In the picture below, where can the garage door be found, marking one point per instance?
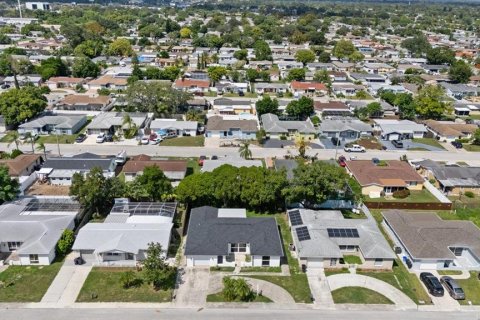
(201, 261)
(428, 266)
(315, 263)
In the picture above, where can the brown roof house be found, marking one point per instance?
(450, 131)
(385, 177)
(431, 243)
(217, 127)
(22, 165)
(174, 170)
(332, 109)
(83, 102)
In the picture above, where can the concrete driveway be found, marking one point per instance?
(441, 303)
(409, 144)
(400, 300)
(192, 287)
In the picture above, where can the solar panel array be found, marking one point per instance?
(342, 233)
(295, 218)
(302, 233)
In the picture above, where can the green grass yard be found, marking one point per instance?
(430, 142)
(261, 269)
(415, 196)
(331, 272)
(197, 141)
(471, 287)
(351, 259)
(218, 297)
(359, 295)
(27, 283)
(105, 284)
(471, 147)
(449, 272)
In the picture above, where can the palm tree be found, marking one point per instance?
(245, 151)
(29, 137)
(131, 127)
(302, 147)
(12, 137)
(41, 147)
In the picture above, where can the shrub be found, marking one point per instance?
(469, 194)
(401, 194)
(65, 242)
(282, 137)
(127, 279)
(432, 181)
(15, 153)
(315, 120)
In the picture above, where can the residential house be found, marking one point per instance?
(332, 109)
(366, 78)
(60, 170)
(275, 88)
(378, 68)
(317, 66)
(22, 165)
(377, 180)
(431, 243)
(55, 83)
(56, 124)
(180, 128)
(81, 102)
(276, 128)
(23, 80)
(343, 66)
(289, 165)
(434, 69)
(225, 106)
(346, 89)
(226, 237)
(461, 91)
(123, 238)
(108, 82)
(323, 238)
(217, 127)
(398, 129)
(450, 131)
(310, 89)
(31, 227)
(113, 122)
(174, 170)
(345, 129)
(210, 165)
(192, 85)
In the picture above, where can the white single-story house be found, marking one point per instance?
(123, 238)
(31, 227)
(180, 128)
(398, 129)
(226, 237)
(56, 124)
(322, 239)
(431, 243)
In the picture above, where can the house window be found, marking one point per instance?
(412, 183)
(378, 262)
(34, 258)
(129, 256)
(113, 254)
(265, 261)
(238, 247)
(333, 262)
(12, 246)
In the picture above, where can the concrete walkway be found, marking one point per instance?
(401, 301)
(275, 293)
(67, 284)
(319, 287)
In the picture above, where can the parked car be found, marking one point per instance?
(397, 143)
(354, 148)
(155, 140)
(78, 261)
(433, 285)
(80, 138)
(5, 86)
(341, 161)
(457, 144)
(170, 135)
(145, 140)
(241, 94)
(100, 138)
(108, 137)
(214, 158)
(335, 141)
(455, 291)
(375, 161)
(201, 159)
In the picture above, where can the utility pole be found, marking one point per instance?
(58, 143)
(20, 8)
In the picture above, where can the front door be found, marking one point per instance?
(220, 260)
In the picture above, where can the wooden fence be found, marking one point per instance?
(409, 205)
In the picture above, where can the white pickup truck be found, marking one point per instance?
(354, 148)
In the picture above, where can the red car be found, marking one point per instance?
(201, 159)
(341, 161)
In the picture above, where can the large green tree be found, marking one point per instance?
(266, 105)
(18, 105)
(305, 56)
(440, 55)
(52, 67)
(89, 48)
(9, 187)
(460, 72)
(216, 73)
(84, 67)
(157, 272)
(120, 47)
(296, 74)
(301, 108)
(314, 183)
(343, 48)
(262, 50)
(151, 185)
(431, 102)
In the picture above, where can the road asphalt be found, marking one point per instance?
(261, 313)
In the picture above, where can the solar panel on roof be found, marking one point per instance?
(342, 233)
(295, 218)
(302, 233)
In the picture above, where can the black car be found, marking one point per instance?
(214, 158)
(78, 261)
(432, 283)
(397, 143)
(335, 141)
(457, 144)
(108, 137)
(80, 138)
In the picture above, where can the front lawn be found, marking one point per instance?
(429, 141)
(197, 141)
(63, 139)
(331, 272)
(471, 147)
(471, 287)
(261, 269)
(461, 214)
(415, 196)
(222, 269)
(351, 259)
(236, 95)
(27, 283)
(449, 272)
(218, 297)
(104, 285)
(359, 295)
(370, 143)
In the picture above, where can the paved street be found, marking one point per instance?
(472, 158)
(262, 313)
